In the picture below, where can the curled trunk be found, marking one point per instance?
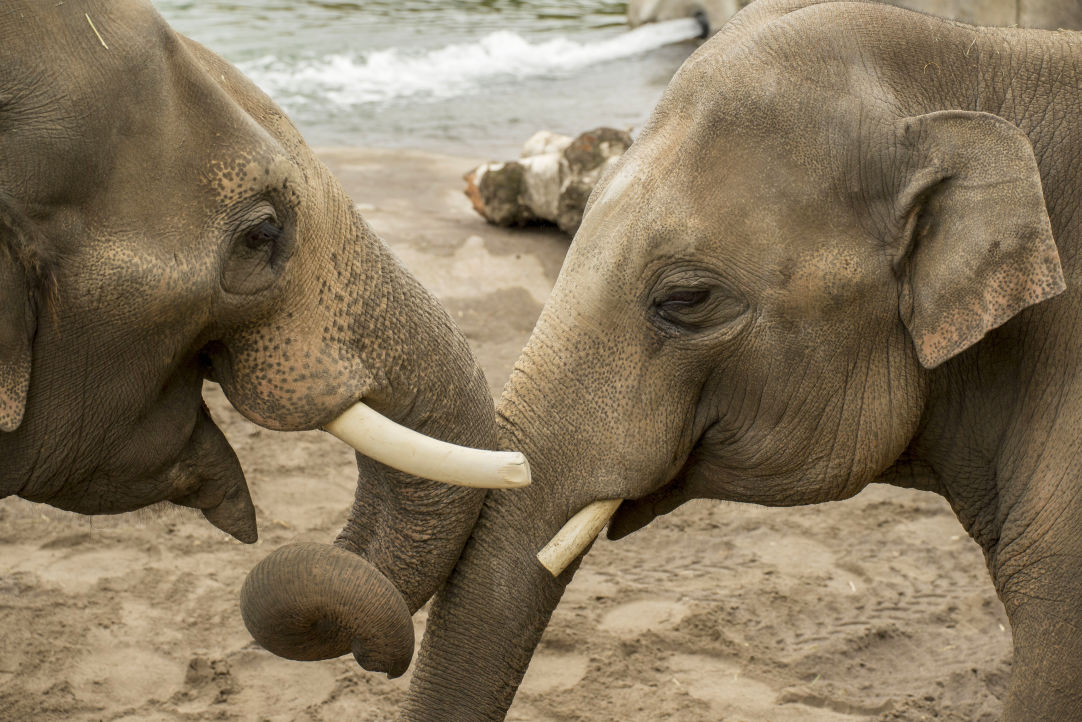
(404, 533)
(313, 601)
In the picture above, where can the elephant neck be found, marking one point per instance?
(16, 475)
(995, 444)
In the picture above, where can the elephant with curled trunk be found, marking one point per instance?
(161, 223)
(712, 14)
(846, 249)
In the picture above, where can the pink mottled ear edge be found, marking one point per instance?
(982, 249)
(14, 386)
(18, 325)
(16, 337)
(943, 332)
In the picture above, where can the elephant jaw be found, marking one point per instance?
(209, 464)
(387, 442)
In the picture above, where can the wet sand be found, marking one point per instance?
(877, 608)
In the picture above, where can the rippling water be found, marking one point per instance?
(469, 77)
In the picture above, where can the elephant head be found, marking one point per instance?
(713, 14)
(161, 223)
(768, 301)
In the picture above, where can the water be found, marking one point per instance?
(475, 78)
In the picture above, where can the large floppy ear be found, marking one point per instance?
(18, 319)
(976, 242)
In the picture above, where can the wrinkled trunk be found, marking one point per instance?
(490, 615)
(408, 530)
(413, 529)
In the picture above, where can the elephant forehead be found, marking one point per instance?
(78, 110)
(761, 220)
(707, 187)
(99, 54)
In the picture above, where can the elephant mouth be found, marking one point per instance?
(622, 516)
(378, 437)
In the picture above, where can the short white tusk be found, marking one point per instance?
(576, 535)
(379, 438)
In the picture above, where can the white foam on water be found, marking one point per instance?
(453, 70)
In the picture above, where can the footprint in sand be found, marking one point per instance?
(642, 616)
(552, 672)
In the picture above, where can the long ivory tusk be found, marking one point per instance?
(576, 535)
(379, 438)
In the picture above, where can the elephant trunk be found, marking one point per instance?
(490, 615)
(404, 534)
(487, 620)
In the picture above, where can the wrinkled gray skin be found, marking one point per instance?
(1049, 14)
(162, 222)
(832, 258)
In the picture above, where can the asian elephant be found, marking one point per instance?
(844, 250)
(161, 223)
(712, 14)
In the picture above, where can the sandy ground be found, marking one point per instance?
(877, 608)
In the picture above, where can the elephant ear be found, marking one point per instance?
(18, 321)
(976, 242)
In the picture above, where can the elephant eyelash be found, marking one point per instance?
(266, 232)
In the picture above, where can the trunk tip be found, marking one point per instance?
(308, 601)
(373, 661)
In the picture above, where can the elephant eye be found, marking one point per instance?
(267, 233)
(257, 255)
(684, 298)
(692, 309)
(675, 306)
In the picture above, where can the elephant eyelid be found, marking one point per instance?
(677, 309)
(259, 248)
(691, 309)
(684, 298)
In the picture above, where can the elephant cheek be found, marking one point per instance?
(210, 465)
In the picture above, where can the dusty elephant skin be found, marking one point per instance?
(162, 222)
(843, 251)
(713, 14)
